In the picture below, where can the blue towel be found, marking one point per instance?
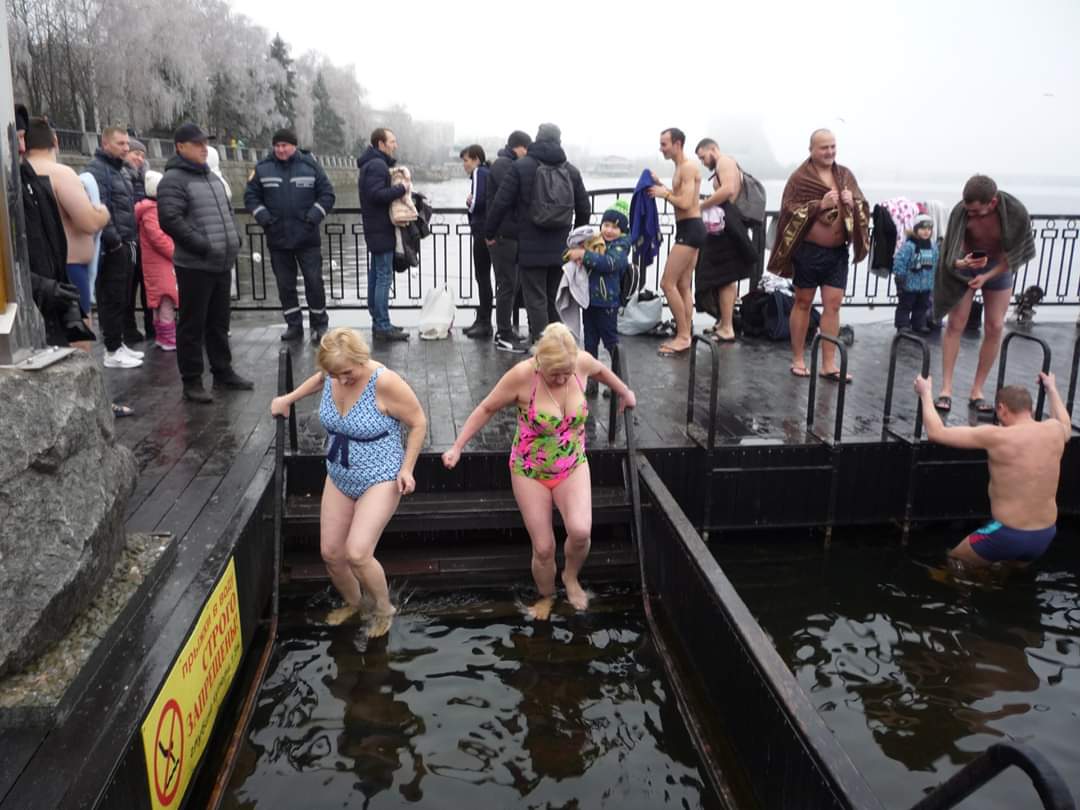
(644, 222)
(91, 186)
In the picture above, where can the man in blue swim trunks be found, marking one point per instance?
(1025, 463)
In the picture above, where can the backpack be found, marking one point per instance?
(552, 204)
(752, 309)
(778, 308)
(751, 200)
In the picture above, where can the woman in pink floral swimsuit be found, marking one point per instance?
(547, 460)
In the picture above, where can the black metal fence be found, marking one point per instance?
(446, 260)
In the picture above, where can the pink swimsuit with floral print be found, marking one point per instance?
(548, 448)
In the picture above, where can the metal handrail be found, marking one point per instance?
(714, 381)
(894, 350)
(285, 385)
(613, 406)
(247, 708)
(1048, 783)
(811, 400)
(1072, 379)
(1009, 338)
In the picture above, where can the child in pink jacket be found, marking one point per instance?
(162, 295)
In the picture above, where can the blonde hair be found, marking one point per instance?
(339, 348)
(556, 350)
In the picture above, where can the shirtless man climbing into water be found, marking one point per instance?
(684, 196)
(1025, 463)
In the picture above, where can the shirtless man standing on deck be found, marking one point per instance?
(1025, 463)
(684, 196)
(822, 212)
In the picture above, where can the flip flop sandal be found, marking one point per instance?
(834, 376)
(800, 372)
(943, 403)
(715, 338)
(667, 351)
(980, 406)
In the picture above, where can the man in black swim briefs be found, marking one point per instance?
(684, 196)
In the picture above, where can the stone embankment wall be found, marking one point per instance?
(64, 487)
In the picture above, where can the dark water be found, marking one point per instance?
(918, 672)
(469, 705)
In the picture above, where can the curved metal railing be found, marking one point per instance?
(894, 350)
(1009, 338)
(811, 398)
(998, 757)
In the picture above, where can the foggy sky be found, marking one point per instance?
(965, 85)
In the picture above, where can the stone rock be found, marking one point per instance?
(64, 486)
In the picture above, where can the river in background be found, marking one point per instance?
(1038, 199)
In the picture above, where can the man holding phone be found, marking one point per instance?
(988, 238)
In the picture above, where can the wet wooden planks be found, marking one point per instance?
(193, 459)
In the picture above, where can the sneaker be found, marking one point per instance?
(125, 349)
(293, 333)
(510, 343)
(118, 359)
(194, 392)
(233, 382)
(390, 334)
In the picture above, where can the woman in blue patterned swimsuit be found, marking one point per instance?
(364, 405)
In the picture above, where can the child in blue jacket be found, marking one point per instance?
(913, 267)
(605, 279)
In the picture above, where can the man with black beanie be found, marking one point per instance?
(289, 194)
(546, 194)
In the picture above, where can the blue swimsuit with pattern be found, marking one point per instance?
(364, 446)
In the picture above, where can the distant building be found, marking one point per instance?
(613, 166)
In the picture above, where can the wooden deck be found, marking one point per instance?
(195, 460)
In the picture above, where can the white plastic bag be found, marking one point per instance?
(639, 316)
(436, 314)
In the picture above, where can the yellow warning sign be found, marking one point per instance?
(176, 730)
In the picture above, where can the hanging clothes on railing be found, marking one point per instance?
(644, 222)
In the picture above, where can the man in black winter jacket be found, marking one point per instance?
(540, 248)
(194, 209)
(135, 167)
(289, 194)
(119, 241)
(503, 248)
(376, 194)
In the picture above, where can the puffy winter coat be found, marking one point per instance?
(376, 194)
(194, 210)
(289, 199)
(606, 271)
(118, 196)
(537, 247)
(137, 178)
(496, 174)
(157, 255)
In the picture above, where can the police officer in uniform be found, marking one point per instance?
(289, 194)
